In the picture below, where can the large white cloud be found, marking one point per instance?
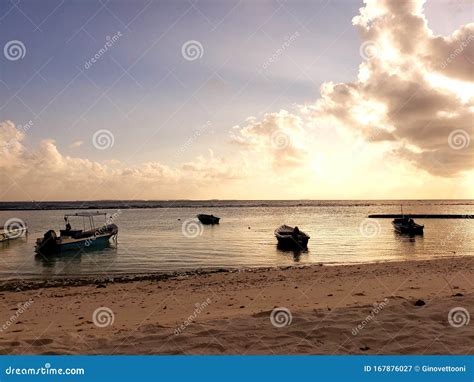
(414, 89)
(414, 96)
(45, 173)
(278, 137)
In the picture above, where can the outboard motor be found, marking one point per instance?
(48, 244)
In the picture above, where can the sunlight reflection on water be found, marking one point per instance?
(152, 239)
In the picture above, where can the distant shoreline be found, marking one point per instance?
(144, 204)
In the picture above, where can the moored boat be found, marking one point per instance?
(407, 225)
(208, 219)
(291, 237)
(13, 232)
(74, 239)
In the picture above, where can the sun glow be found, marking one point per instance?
(463, 90)
(369, 113)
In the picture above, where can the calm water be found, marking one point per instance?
(153, 240)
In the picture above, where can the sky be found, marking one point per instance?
(236, 99)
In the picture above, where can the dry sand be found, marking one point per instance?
(230, 312)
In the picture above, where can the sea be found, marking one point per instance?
(164, 236)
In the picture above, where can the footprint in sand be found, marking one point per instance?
(40, 341)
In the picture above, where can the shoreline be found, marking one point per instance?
(33, 283)
(380, 308)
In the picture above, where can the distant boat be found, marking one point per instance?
(13, 233)
(73, 239)
(208, 219)
(407, 225)
(291, 237)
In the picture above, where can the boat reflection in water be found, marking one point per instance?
(294, 254)
(72, 261)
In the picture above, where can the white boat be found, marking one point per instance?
(74, 239)
(7, 234)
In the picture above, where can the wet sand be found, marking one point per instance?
(384, 308)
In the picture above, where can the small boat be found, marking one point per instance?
(13, 232)
(407, 225)
(208, 219)
(291, 237)
(74, 239)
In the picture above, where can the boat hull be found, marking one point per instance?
(208, 219)
(287, 238)
(98, 242)
(50, 244)
(80, 244)
(291, 243)
(409, 230)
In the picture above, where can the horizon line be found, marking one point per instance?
(220, 200)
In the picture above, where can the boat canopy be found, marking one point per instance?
(85, 215)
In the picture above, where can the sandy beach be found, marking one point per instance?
(384, 308)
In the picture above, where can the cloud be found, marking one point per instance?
(205, 169)
(76, 144)
(44, 173)
(412, 102)
(278, 136)
(414, 89)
